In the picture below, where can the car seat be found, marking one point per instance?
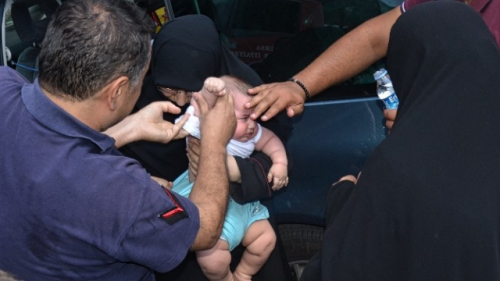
(31, 18)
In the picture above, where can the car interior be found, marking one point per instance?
(30, 19)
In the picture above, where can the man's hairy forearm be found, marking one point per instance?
(123, 132)
(351, 54)
(210, 193)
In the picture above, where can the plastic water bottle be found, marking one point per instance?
(385, 90)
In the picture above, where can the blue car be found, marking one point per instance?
(338, 128)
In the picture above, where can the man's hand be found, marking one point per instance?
(193, 153)
(152, 125)
(147, 124)
(193, 147)
(217, 125)
(270, 99)
(390, 116)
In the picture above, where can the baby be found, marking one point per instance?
(246, 224)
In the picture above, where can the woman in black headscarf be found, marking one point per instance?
(427, 204)
(186, 51)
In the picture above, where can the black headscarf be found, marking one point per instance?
(427, 203)
(194, 53)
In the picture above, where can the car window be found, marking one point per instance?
(12, 39)
(278, 38)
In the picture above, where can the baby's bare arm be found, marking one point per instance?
(271, 145)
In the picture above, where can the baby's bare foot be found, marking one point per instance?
(212, 88)
(215, 86)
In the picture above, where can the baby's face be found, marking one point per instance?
(246, 128)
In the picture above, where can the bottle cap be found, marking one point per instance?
(379, 74)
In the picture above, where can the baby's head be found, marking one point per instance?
(237, 87)
(246, 128)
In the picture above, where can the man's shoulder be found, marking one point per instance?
(10, 80)
(7, 73)
(11, 85)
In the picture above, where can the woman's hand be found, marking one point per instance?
(390, 116)
(349, 178)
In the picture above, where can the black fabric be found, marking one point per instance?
(193, 55)
(427, 203)
(186, 51)
(253, 173)
(337, 197)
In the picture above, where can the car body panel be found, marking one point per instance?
(330, 139)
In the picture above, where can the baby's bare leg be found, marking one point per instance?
(215, 262)
(259, 241)
(212, 88)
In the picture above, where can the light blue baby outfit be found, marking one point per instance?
(238, 217)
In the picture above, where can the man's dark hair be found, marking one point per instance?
(91, 42)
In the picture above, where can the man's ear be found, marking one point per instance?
(115, 89)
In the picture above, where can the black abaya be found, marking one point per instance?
(427, 203)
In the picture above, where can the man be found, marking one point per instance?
(347, 57)
(72, 207)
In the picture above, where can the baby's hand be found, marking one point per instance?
(278, 174)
